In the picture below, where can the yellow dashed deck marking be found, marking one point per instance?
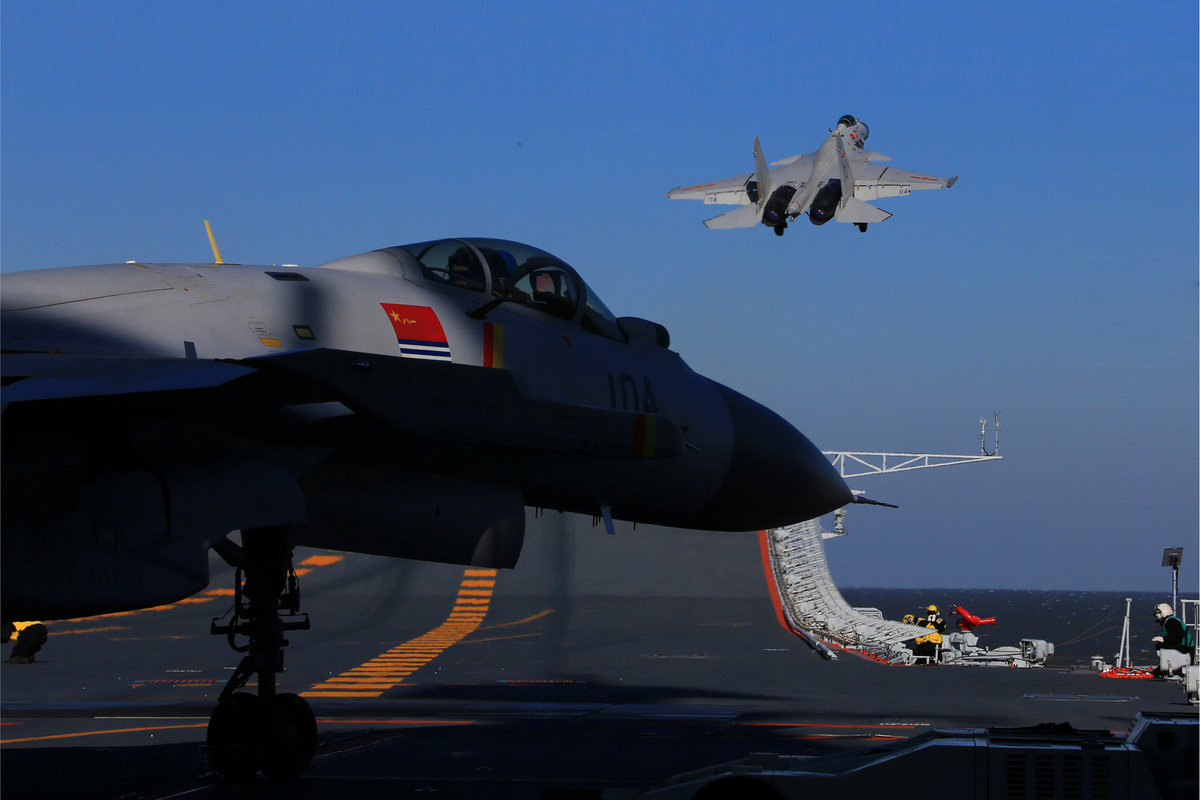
(105, 629)
(320, 560)
(317, 560)
(394, 666)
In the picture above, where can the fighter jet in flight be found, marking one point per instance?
(410, 402)
(833, 183)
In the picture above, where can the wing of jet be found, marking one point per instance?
(876, 181)
(834, 182)
(410, 402)
(734, 191)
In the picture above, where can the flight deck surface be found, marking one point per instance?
(601, 664)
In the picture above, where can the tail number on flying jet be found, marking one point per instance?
(623, 393)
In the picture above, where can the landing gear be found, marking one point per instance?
(276, 733)
(780, 228)
(862, 227)
(235, 735)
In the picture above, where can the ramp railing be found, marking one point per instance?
(813, 604)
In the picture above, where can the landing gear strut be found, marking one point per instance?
(276, 733)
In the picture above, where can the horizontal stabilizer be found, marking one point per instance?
(856, 211)
(744, 217)
(873, 156)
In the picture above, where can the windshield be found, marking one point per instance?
(598, 319)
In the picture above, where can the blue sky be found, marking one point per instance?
(1056, 282)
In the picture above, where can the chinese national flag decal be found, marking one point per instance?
(493, 345)
(418, 331)
(645, 436)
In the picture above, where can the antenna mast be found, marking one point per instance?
(983, 436)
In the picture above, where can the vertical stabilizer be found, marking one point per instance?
(847, 173)
(761, 174)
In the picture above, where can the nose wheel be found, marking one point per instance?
(268, 731)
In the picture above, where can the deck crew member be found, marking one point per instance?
(1175, 636)
(927, 646)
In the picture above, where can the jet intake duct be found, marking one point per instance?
(775, 212)
(423, 517)
(824, 205)
(107, 548)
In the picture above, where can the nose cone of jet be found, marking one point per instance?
(776, 475)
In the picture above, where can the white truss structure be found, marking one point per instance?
(811, 601)
(856, 465)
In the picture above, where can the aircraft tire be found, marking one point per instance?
(779, 230)
(291, 737)
(235, 737)
(862, 227)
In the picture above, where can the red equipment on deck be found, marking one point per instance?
(969, 621)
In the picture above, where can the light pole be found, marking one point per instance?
(1171, 558)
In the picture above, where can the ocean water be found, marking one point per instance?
(1080, 624)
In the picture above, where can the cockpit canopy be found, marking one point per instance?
(512, 272)
(850, 121)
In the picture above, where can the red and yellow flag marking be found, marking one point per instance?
(645, 436)
(493, 345)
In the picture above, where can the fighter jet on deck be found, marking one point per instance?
(408, 402)
(833, 183)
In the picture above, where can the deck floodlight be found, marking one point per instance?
(1171, 558)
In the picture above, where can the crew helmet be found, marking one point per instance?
(932, 608)
(1163, 610)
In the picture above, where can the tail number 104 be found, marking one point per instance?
(628, 393)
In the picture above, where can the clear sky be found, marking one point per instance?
(1056, 282)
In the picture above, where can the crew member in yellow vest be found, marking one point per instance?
(927, 646)
(29, 637)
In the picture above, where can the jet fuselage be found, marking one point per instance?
(387, 402)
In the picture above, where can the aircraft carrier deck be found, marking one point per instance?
(600, 667)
